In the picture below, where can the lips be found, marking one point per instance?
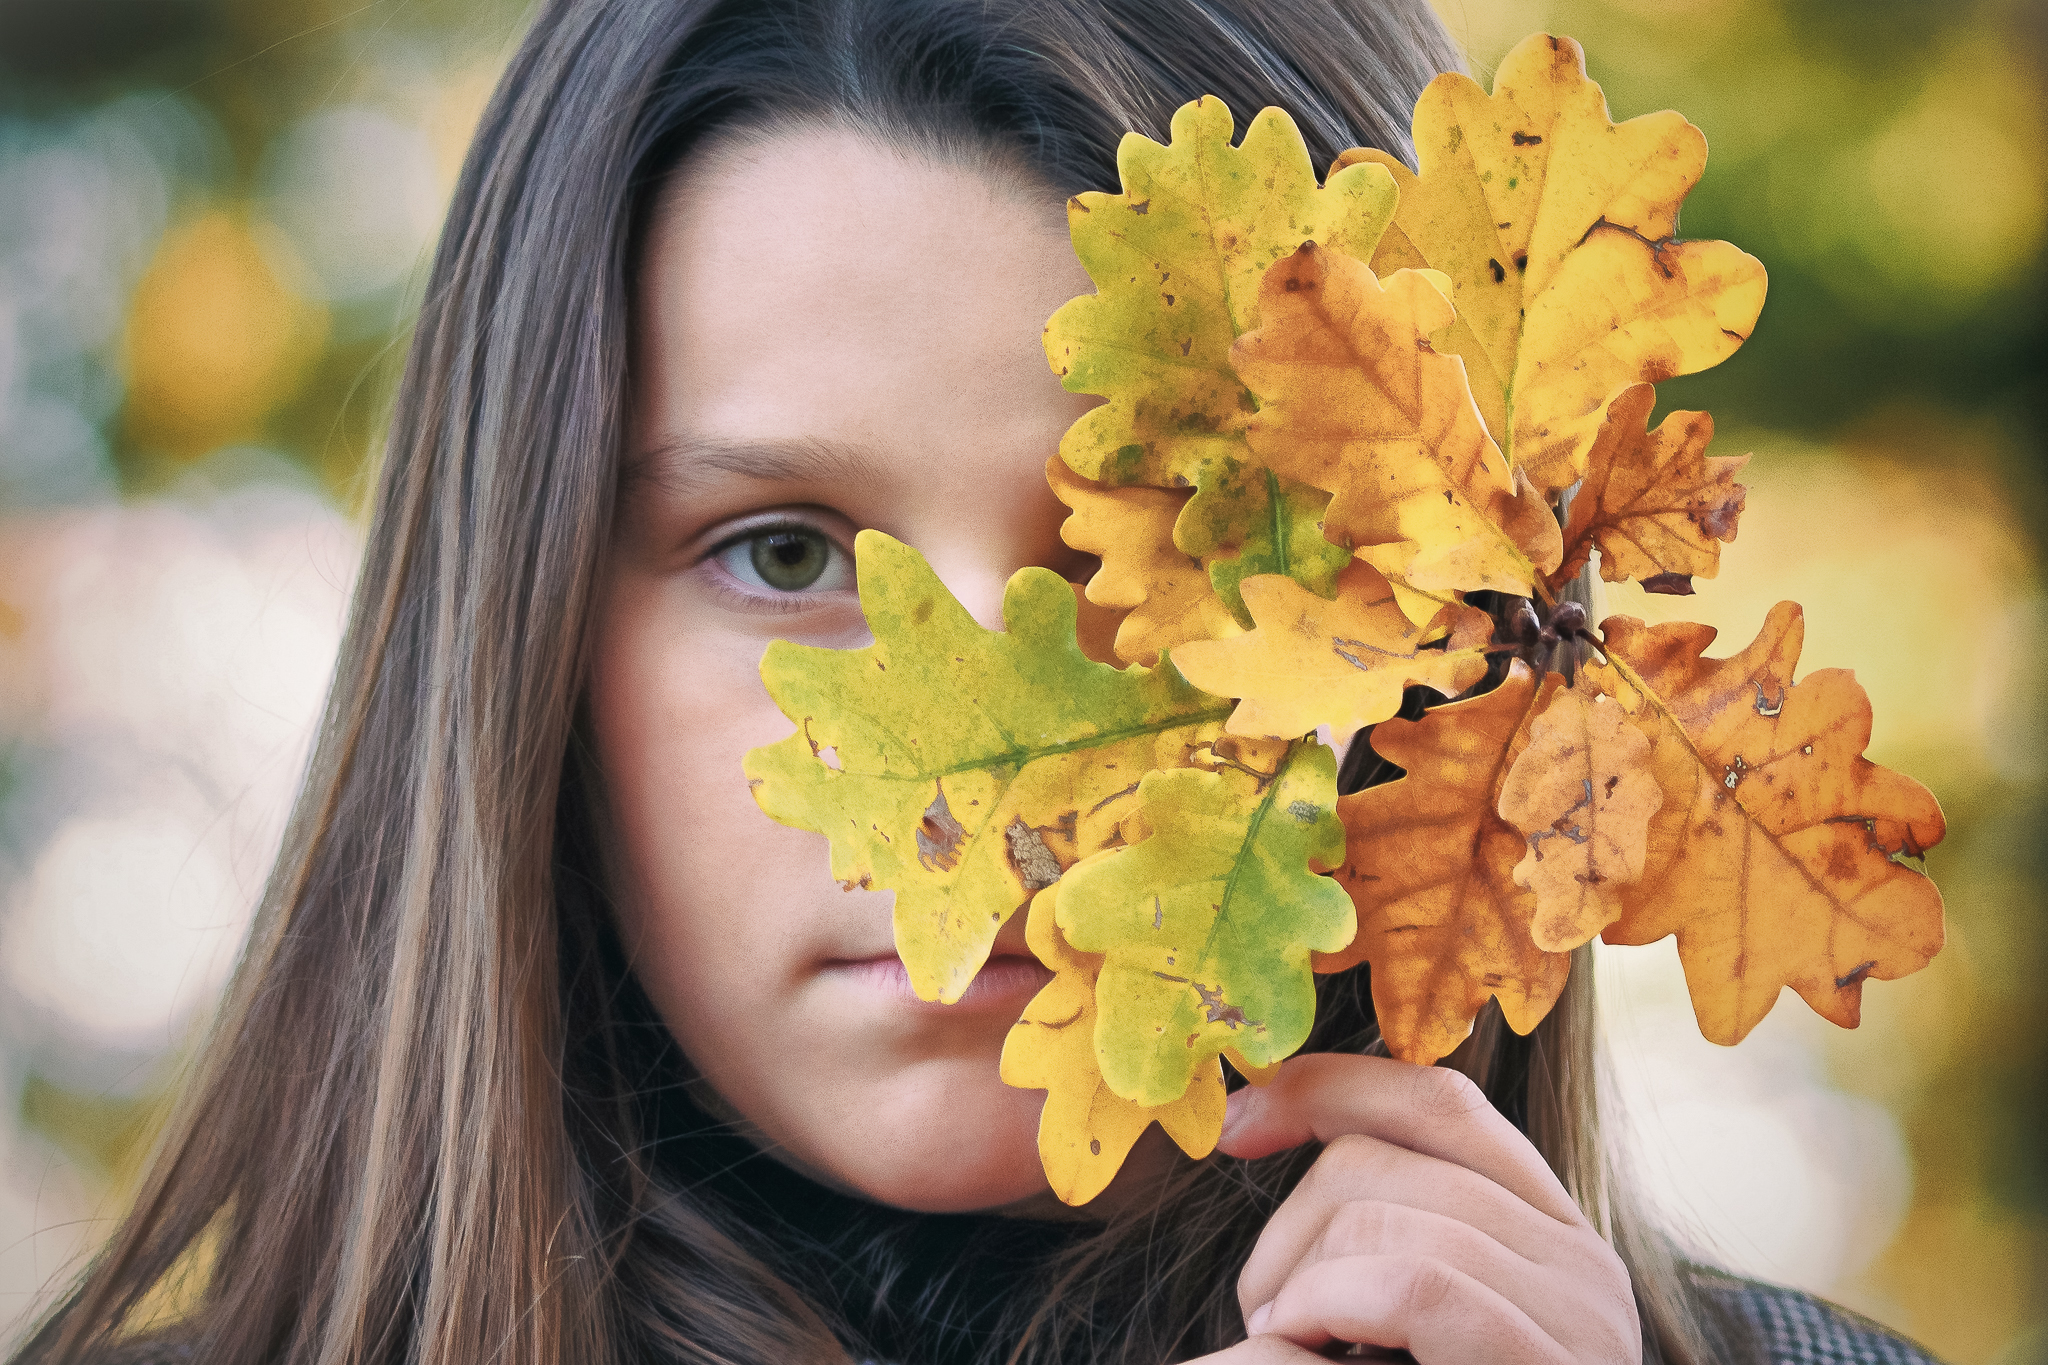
(1007, 981)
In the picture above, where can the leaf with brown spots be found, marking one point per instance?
(1581, 795)
(1355, 401)
(1206, 926)
(1654, 502)
(1429, 864)
(1086, 1129)
(960, 767)
(1781, 856)
(1338, 663)
(1555, 226)
(1176, 260)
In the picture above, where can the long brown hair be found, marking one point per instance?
(426, 1126)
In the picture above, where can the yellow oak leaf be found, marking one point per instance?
(1206, 926)
(1429, 865)
(1086, 1129)
(1556, 225)
(959, 767)
(1420, 605)
(1654, 502)
(1354, 401)
(1582, 795)
(1339, 663)
(1176, 260)
(1166, 596)
(1781, 856)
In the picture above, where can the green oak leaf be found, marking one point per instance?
(965, 768)
(1206, 926)
(1285, 537)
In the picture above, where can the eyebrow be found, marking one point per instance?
(685, 466)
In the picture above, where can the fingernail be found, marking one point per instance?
(1256, 1323)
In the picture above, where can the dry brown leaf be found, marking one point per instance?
(1354, 401)
(1582, 795)
(1654, 502)
(1780, 856)
(1429, 865)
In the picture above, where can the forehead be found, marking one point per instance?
(820, 283)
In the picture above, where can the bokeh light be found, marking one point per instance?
(215, 211)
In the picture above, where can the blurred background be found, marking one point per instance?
(211, 212)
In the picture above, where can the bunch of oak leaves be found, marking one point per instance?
(1332, 412)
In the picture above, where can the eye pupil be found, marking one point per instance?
(790, 560)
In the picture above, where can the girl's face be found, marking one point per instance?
(831, 335)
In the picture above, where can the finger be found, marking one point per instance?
(1427, 1109)
(1360, 1171)
(1440, 1315)
(1260, 1350)
(1577, 1291)
(1375, 1227)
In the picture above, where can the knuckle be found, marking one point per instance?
(1444, 1093)
(1346, 1160)
(1430, 1286)
(1600, 1264)
(1359, 1227)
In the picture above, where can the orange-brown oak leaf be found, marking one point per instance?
(1429, 865)
(1582, 795)
(1781, 856)
(1555, 226)
(1354, 401)
(1654, 502)
(1338, 663)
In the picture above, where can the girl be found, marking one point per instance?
(549, 1046)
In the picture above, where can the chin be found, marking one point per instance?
(968, 1153)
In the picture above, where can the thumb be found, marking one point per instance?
(1259, 1120)
(1434, 1111)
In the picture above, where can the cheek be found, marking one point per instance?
(727, 918)
(674, 712)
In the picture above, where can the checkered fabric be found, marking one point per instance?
(1792, 1328)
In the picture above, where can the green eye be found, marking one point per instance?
(770, 561)
(790, 561)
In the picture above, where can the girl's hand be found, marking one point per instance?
(1428, 1223)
